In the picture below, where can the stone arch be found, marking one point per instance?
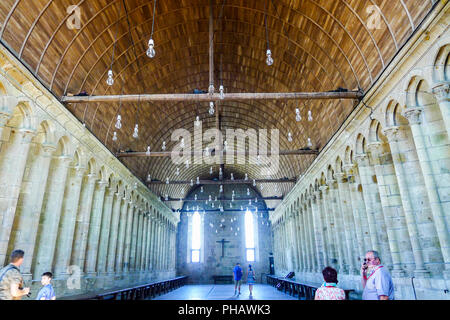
(45, 133)
(3, 90)
(441, 70)
(102, 174)
(393, 114)
(348, 157)
(338, 165)
(330, 173)
(374, 131)
(323, 179)
(23, 117)
(361, 145)
(92, 166)
(63, 147)
(418, 93)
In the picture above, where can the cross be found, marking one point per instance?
(223, 241)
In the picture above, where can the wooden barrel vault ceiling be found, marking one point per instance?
(317, 45)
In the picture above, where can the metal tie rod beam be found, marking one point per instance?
(193, 153)
(213, 182)
(219, 199)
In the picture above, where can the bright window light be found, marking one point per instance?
(249, 236)
(196, 223)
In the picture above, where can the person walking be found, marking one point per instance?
(250, 279)
(329, 289)
(11, 280)
(237, 274)
(376, 279)
(46, 292)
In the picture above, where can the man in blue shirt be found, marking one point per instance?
(237, 273)
(376, 279)
(47, 292)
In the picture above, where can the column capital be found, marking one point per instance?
(48, 148)
(340, 177)
(375, 147)
(331, 182)
(442, 91)
(362, 159)
(92, 177)
(413, 115)
(348, 168)
(79, 171)
(26, 134)
(323, 188)
(391, 133)
(66, 160)
(102, 184)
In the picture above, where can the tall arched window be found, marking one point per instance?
(249, 237)
(196, 243)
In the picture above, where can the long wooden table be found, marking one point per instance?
(304, 290)
(149, 290)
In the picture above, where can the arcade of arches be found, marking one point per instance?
(381, 178)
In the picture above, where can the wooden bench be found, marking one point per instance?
(304, 290)
(226, 279)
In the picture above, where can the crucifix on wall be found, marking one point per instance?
(223, 241)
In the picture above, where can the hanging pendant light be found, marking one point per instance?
(309, 143)
(210, 170)
(221, 188)
(192, 182)
(151, 49)
(148, 151)
(269, 59)
(209, 198)
(149, 178)
(232, 177)
(110, 80)
(163, 146)
(195, 197)
(246, 177)
(118, 124)
(310, 118)
(178, 171)
(114, 138)
(197, 121)
(187, 164)
(198, 180)
(221, 92)
(298, 117)
(254, 182)
(248, 191)
(290, 137)
(167, 180)
(201, 189)
(167, 197)
(211, 108)
(136, 131)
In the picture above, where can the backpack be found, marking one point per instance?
(5, 270)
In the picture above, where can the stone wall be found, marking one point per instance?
(228, 225)
(68, 202)
(383, 181)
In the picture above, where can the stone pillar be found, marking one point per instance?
(312, 240)
(374, 209)
(105, 228)
(338, 228)
(82, 222)
(441, 92)
(392, 207)
(144, 242)
(327, 223)
(392, 134)
(51, 213)
(134, 238)
(7, 105)
(137, 266)
(128, 237)
(121, 238)
(304, 241)
(13, 157)
(346, 211)
(115, 225)
(67, 224)
(318, 229)
(413, 116)
(94, 228)
(298, 239)
(152, 242)
(147, 241)
(30, 204)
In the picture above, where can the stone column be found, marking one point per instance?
(144, 242)
(298, 249)
(413, 116)
(312, 239)
(67, 224)
(392, 207)
(51, 213)
(7, 105)
(346, 212)
(94, 228)
(128, 237)
(121, 238)
(318, 229)
(134, 238)
(392, 136)
(152, 242)
(441, 92)
(30, 204)
(82, 222)
(147, 241)
(13, 157)
(327, 224)
(374, 208)
(137, 266)
(105, 228)
(115, 225)
(338, 228)
(304, 240)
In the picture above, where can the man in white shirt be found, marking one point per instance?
(376, 279)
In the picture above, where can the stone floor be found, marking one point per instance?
(224, 292)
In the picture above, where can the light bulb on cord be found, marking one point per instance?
(221, 92)
(201, 189)
(309, 143)
(246, 177)
(167, 197)
(136, 131)
(151, 48)
(269, 59)
(298, 117)
(211, 108)
(232, 177)
(118, 122)
(290, 137)
(149, 178)
(148, 151)
(167, 180)
(178, 172)
(163, 146)
(192, 182)
(210, 170)
(197, 121)
(114, 138)
(110, 80)
(248, 191)
(198, 180)
(254, 182)
(310, 118)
